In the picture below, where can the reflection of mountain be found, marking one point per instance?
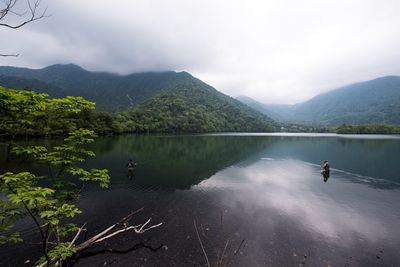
(181, 161)
(174, 161)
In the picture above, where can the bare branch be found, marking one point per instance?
(115, 233)
(9, 4)
(9, 55)
(93, 239)
(135, 228)
(32, 13)
(76, 236)
(32, 9)
(107, 233)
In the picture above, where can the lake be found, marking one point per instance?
(261, 198)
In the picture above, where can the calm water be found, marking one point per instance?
(264, 189)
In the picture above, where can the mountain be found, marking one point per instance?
(146, 102)
(111, 92)
(275, 111)
(374, 101)
(31, 84)
(193, 106)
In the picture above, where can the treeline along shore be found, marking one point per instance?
(169, 112)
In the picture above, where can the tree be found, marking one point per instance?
(14, 15)
(48, 206)
(24, 113)
(49, 199)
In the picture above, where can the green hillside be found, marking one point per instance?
(192, 107)
(375, 101)
(166, 102)
(31, 84)
(111, 92)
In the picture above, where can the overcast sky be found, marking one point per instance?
(273, 51)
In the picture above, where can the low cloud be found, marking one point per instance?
(274, 51)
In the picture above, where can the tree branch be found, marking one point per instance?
(9, 55)
(31, 14)
(33, 6)
(106, 234)
(76, 236)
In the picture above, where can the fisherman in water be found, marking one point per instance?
(325, 170)
(130, 165)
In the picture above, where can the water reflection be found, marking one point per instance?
(178, 162)
(130, 174)
(173, 162)
(182, 161)
(344, 213)
(268, 188)
(325, 175)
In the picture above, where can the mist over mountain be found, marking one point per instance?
(374, 101)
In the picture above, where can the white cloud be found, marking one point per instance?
(275, 51)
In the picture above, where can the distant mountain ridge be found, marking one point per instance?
(374, 101)
(111, 92)
(151, 101)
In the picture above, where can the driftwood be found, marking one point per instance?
(113, 230)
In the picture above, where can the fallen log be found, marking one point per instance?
(118, 228)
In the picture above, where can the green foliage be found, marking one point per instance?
(368, 129)
(47, 200)
(101, 122)
(67, 229)
(62, 250)
(49, 206)
(9, 213)
(32, 113)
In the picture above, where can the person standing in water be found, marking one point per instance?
(325, 170)
(130, 165)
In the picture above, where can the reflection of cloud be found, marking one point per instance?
(336, 209)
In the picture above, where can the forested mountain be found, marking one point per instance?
(193, 106)
(144, 102)
(111, 92)
(31, 84)
(375, 101)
